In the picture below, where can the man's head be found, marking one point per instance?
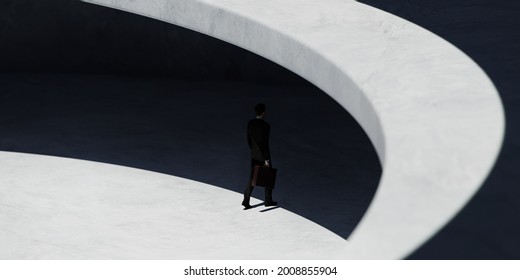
(260, 109)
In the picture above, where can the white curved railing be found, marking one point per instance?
(434, 117)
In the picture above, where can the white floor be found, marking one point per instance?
(115, 212)
(433, 115)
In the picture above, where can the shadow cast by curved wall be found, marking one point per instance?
(192, 128)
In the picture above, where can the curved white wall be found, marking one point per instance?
(433, 116)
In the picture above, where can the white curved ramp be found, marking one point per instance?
(433, 116)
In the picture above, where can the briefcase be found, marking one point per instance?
(264, 176)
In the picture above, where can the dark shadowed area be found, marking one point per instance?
(86, 82)
(69, 36)
(489, 32)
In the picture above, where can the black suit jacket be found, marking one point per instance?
(258, 139)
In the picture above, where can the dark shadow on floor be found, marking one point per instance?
(269, 209)
(328, 169)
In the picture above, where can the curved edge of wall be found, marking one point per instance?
(433, 116)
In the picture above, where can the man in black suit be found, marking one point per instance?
(258, 139)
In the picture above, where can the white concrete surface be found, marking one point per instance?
(58, 208)
(432, 114)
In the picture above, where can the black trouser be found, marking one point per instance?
(249, 187)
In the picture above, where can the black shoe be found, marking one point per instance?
(246, 206)
(271, 203)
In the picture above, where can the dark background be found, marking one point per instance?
(66, 36)
(88, 82)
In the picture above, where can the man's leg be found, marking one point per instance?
(249, 188)
(247, 194)
(269, 197)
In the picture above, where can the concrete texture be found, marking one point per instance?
(116, 212)
(135, 121)
(433, 115)
(487, 31)
(185, 130)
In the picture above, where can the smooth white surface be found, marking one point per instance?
(433, 116)
(58, 208)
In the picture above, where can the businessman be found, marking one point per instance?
(258, 139)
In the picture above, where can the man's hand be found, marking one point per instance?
(267, 164)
